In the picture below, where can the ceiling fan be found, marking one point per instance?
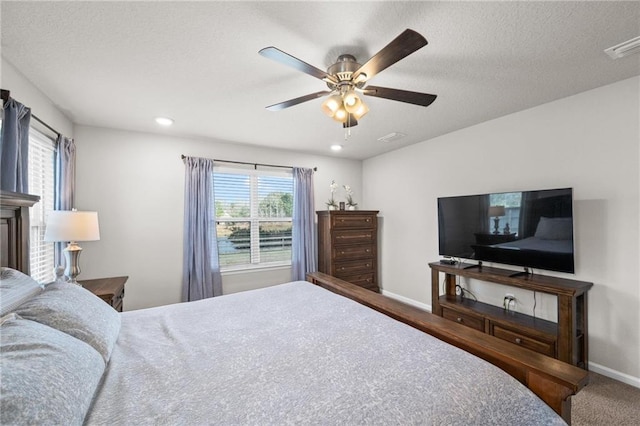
(347, 79)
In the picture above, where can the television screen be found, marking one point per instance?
(533, 229)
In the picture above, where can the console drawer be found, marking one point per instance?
(471, 321)
(545, 348)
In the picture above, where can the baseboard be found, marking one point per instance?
(616, 375)
(596, 368)
(406, 300)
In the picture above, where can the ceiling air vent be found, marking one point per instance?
(392, 137)
(627, 48)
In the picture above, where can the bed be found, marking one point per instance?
(320, 351)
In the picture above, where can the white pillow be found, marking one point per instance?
(75, 311)
(46, 376)
(15, 289)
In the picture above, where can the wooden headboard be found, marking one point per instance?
(14, 229)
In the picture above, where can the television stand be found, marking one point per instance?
(566, 339)
(524, 273)
(472, 266)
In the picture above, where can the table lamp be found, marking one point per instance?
(72, 226)
(496, 212)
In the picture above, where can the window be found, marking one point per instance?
(511, 202)
(253, 217)
(41, 183)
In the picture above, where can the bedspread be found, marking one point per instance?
(298, 354)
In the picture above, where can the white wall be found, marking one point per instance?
(589, 142)
(136, 183)
(26, 93)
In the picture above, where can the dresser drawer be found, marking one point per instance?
(354, 237)
(363, 280)
(465, 319)
(346, 269)
(351, 221)
(353, 252)
(545, 348)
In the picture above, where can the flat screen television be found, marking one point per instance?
(533, 229)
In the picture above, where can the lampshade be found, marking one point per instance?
(496, 211)
(331, 105)
(72, 225)
(360, 111)
(341, 114)
(351, 101)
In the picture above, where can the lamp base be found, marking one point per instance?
(496, 224)
(72, 256)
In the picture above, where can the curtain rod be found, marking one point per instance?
(255, 165)
(6, 94)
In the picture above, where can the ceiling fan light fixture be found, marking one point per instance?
(331, 105)
(341, 115)
(361, 111)
(351, 99)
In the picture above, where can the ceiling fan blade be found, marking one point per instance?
(402, 46)
(293, 62)
(296, 101)
(416, 98)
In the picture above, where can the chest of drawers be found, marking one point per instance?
(347, 246)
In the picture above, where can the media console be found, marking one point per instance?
(566, 340)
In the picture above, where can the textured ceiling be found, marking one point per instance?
(120, 64)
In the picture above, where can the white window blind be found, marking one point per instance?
(253, 217)
(41, 183)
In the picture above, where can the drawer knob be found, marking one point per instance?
(459, 319)
(368, 220)
(518, 340)
(342, 252)
(368, 250)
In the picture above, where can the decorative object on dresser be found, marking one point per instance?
(351, 205)
(347, 246)
(111, 290)
(566, 340)
(72, 226)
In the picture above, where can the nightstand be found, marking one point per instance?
(111, 290)
(490, 239)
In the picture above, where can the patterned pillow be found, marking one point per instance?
(75, 311)
(15, 289)
(46, 376)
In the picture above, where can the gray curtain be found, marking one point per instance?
(65, 181)
(303, 244)
(201, 270)
(14, 147)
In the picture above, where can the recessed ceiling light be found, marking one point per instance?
(164, 121)
(336, 147)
